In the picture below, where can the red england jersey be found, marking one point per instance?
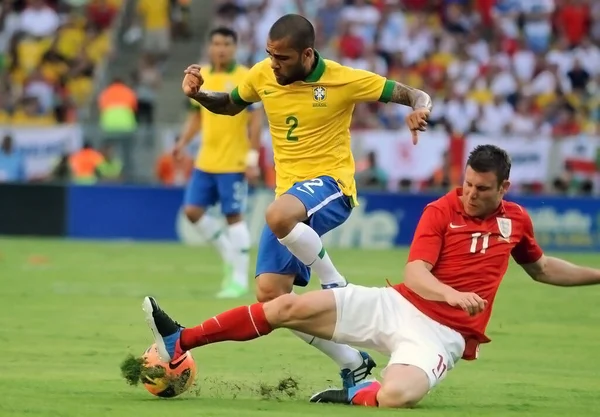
(470, 255)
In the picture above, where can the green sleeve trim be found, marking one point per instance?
(235, 96)
(388, 89)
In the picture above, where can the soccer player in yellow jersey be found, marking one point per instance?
(309, 103)
(228, 152)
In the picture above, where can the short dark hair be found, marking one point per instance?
(223, 31)
(298, 28)
(490, 158)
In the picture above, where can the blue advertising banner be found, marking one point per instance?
(380, 221)
(122, 212)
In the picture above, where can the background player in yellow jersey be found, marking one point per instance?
(309, 103)
(228, 151)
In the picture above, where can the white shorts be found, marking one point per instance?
(383, 320)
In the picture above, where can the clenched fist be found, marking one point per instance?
(417, 122)
(192, 81)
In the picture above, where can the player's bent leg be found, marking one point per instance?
(313, 313)
(239, 236)
(209, 228)
(354, 365)
(286, 216)
(277, 271)
(201, 192)
(403, 387)
(232, 191)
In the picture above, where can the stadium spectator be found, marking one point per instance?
(146, 81)
(84, 163)
(12, 162)
(111, 167)
(155, 20)
(101, 13)
(370, 176)
(174, 171)
(118, 104)
(38, 19)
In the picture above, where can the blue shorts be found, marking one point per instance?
(327, 208)
(205, 189)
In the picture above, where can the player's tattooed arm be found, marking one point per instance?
(218, 103)
(408, 96)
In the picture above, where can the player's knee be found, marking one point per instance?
(283, 214)
(193, 213)
(279, 221)
(285, 308)
(268, 289)
(398, 397)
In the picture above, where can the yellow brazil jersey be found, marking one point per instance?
(225, 141)
(310, 120)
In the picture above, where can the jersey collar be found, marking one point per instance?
(316, 74)
(458, 206)
(228, 69)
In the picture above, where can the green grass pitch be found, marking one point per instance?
(71, 312)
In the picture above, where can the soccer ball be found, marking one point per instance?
(167, 379)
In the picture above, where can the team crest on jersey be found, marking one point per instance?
(319, 95)
(505, 226)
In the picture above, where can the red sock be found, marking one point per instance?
(239, 324)
(367, 396)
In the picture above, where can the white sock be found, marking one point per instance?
(345, 356)
(306, 245)
(239, 236)
(210, 229)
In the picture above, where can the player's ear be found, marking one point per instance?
(505, 186)
(308, 53)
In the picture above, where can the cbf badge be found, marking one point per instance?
(319, 93)
(505, 226)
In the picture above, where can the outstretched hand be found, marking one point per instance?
(417, 122)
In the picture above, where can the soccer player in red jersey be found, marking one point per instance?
(437, 316)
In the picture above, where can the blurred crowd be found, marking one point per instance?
(492, 66)
(84, 166)
(520, 67)
(517, 67)
(49, 50)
